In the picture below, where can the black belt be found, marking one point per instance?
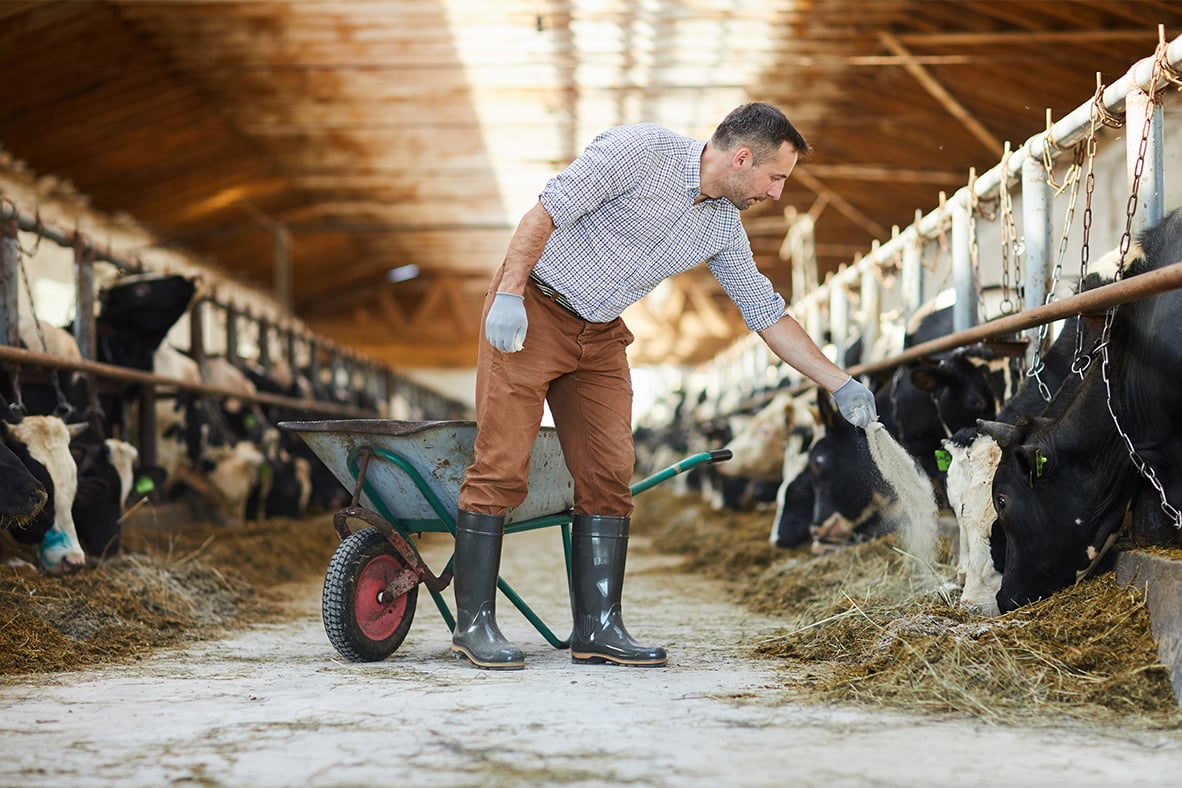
(554, 295)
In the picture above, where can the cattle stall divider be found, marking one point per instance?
(1138, 94)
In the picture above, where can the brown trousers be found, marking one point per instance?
(581, 369)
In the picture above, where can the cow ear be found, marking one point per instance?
(930, 378)
(1004, 434)
(1034, 463)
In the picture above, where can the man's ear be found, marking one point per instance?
(741, 156)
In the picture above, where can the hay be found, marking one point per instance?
(863, 628)
(173, 584)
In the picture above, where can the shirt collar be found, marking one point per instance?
(693, 170)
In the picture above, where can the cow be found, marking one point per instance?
(22, 497)
(852, 501)
(42, 444)
(1063, 485)
(972, 454)
(135, 314)
(106, 471)
(926, 402)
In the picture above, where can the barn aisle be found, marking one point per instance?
(275, 706)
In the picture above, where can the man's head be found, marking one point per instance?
(756, 148)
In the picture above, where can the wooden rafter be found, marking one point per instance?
(946, 99)
(840, 204)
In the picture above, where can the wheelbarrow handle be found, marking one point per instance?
(718, 455)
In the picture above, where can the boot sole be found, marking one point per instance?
(588, 658)
(462, 653)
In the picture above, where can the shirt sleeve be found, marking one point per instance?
(613, 164)
(758, 302)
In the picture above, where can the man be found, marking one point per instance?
(640, 204)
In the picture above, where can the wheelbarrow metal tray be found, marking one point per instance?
(440, 452)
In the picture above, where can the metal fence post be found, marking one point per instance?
(964, 278)
(1150, 207)
(1037, 231)
(10, 261)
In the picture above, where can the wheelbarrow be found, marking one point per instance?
(405, 478)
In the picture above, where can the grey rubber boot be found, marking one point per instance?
(477, 565)
(599, 545)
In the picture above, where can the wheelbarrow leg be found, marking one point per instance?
(477, 565)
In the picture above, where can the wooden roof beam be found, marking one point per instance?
(1022, 37)
(840, 204)
(950, 104)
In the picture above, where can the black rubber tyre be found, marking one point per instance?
(360, 626)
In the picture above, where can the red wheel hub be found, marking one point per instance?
(378, 619)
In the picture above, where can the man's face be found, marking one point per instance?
(748, 184)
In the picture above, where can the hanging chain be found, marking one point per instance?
(1070, 179)
(1143, 467)
(1097, 115)
(64, 408)
(975, 210)
(1010, 243)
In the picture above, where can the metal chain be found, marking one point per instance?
(1082, 360)
(64, 408)
(975, 210)
(1143, 467)
(1070, 179)
(1010, 242)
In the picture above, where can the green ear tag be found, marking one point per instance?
(943, 459)
(1039, 461)
(144, 485)
(250, 421)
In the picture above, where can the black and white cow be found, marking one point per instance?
(42, 444)
(106, 471)
(851, 501)
(973, 454)
(973, 458)
(22, 497)
(926, 402)
(135, 314)
(1063, 486)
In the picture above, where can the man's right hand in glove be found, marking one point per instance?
(506, 322)
(856, 403)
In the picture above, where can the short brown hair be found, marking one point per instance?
(761, 127)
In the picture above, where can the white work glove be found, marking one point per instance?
(506, 322)
(856, 403)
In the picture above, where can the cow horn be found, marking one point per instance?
(1003, 433)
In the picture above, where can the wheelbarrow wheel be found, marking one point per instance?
(361, 624)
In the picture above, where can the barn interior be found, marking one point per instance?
(354, 169)
(365, 163)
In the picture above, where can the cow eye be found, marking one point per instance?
(999, 503)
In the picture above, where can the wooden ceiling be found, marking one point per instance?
(387, 133)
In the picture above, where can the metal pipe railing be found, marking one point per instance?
(17, 355)
(1094, 301)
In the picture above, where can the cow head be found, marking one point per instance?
(850, 494)
(974, 458)
(1055, 529)
(22, 497)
